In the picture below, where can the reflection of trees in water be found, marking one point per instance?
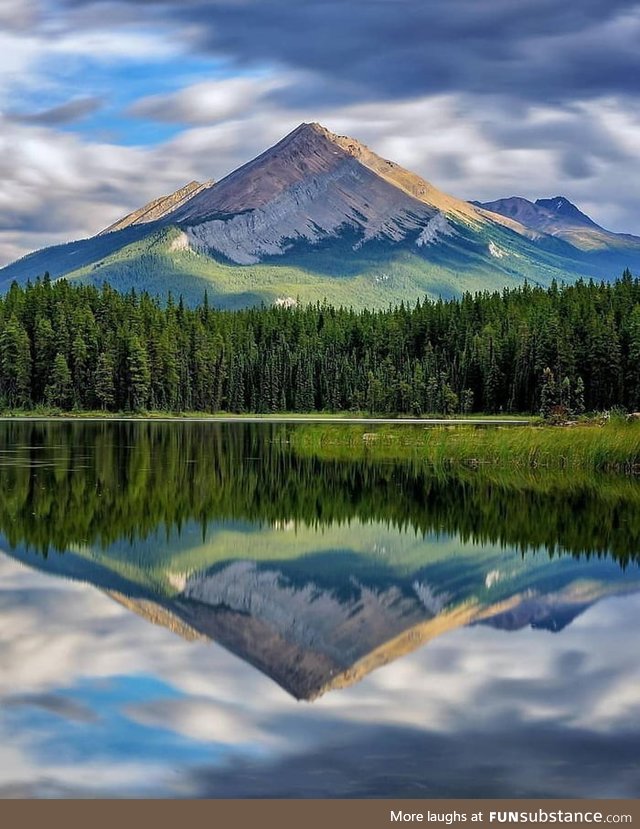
(96, 483)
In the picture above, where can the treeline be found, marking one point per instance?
(524, 350)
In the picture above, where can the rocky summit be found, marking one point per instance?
(321, 216)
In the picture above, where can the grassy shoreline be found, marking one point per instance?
(614, 446)
(514, 442)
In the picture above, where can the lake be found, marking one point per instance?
(216, 610)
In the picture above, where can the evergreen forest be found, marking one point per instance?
(573, 347)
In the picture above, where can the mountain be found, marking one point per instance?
(559, 218)
(321, 621)
(320, 215)
(159, 208)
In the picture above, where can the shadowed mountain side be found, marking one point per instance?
(544, 215)
(63, 259)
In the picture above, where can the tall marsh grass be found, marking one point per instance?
(614, 446)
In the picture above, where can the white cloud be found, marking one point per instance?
(103, 44)
(19, 54)
(207, 102)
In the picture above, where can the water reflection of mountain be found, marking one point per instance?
(316, 572)
(352, 598)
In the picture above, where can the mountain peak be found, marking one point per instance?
(306, 128)
(516, 208)
(312, 131)
(563, 208)
(351, 146)
(556, 203)
(304, 155)
(308, 186)
(555, 216)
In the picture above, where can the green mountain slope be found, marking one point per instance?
(378, 276)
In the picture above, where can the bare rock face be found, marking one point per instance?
(306, 188)
(311, 186)
(434, 230)
(346, 196)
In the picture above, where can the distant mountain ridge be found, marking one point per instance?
(320, 215)
(560, 218)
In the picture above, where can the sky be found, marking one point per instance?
(106, 105)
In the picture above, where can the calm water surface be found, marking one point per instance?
(210, 610)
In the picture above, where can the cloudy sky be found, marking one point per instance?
(105, 105)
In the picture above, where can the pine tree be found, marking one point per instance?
(138, 376)
(578, 397)
(15, 365)
(44, 352)
(548, 394)
(104, 383)
(59, 391)
(466, 401)
(633, 362)
(81, 372)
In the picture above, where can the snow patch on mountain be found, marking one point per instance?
(179, 242)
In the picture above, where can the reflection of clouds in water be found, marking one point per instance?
(203, 720)
(54, 704)
(517, 760)
(555, 708)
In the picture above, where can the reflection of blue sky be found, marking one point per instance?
(170, 717)
(110, 735)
